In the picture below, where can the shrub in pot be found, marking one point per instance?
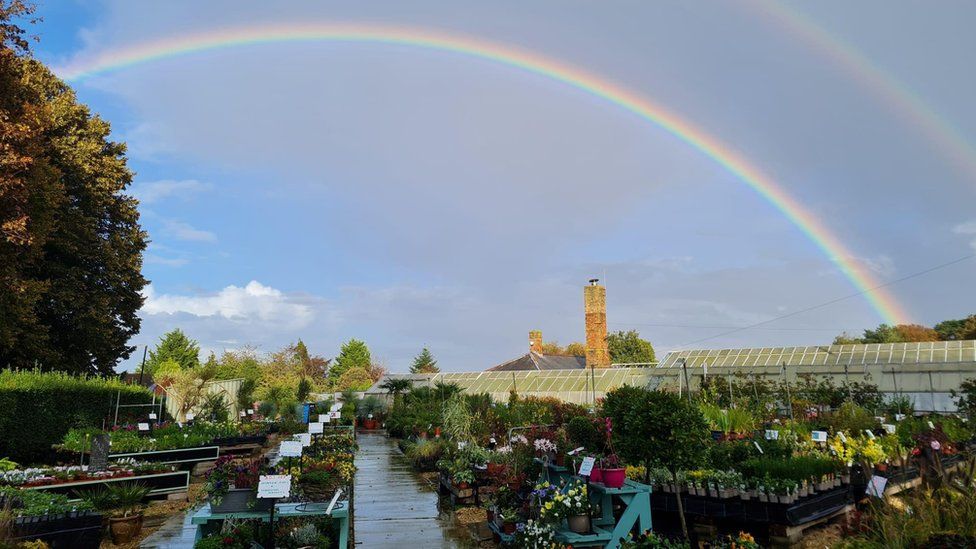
(122, 503)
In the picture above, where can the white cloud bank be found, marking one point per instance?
(255, 303)
(967, 228)
(154, 191)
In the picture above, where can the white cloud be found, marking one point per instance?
(153, 191)
(254, 303)
(967, 228)
(185, 231)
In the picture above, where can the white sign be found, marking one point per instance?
(189, 416)
(336, 407)
(758, 447)
(870, 433)
(332, 503)
(931, 426)
(576, 451)
(890, 428)
(290, 449)
(842, 436)
(323, 418)
(250, 412)
(315, 428)
(876, 486)
(304, 438)
(274, 486)
(243, 414)
(819, 436)
(335, 415)
(153, 416)
(772, 434)
(143, 426)
(462, 444)
(587, 466)
(899, 417)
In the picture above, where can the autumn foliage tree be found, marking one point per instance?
(70, 241)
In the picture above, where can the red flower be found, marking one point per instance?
(228, 540)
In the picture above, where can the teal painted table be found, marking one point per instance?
(203, 517)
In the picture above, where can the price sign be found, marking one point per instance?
(315, 428)
(304, 438)
(189, 416)
(819, 436)
(290, 449)
(323, 418)
(274, 486)
(143, 426)
(890, 428)
(876, 486)
(335, 415)
(152, 416)
(772, 434)
(587, 466)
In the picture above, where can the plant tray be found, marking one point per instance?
(79, 529)
(177, 455)
(158, 483)
(806, 510)
(237, 441)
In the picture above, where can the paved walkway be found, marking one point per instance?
(394, 507)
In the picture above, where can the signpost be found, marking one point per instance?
(316, 428)
(99, 453)
(273, 487)
(586, 468)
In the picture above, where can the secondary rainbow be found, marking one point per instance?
(887, 307)
(901, 100)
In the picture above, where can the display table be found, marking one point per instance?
(203, 518)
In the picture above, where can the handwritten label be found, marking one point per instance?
(274, 486)
(99, 453)
(290, 449)
(316, 428)
(143, 426)
(586, 468)
(819, 436)
(772, 434)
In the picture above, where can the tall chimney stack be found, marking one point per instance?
(535, 341)
(595, 307)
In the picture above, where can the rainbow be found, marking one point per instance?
(880, 300)
(901, 100)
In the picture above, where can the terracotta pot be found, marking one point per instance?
(614, 478)
(437, 432)
(579, 524)
(125, 529)
(508, 527)
(490, 515)
(560, 459)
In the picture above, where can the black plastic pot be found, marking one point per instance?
(81, 529)
(241, 500)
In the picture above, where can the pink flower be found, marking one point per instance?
(936, 446)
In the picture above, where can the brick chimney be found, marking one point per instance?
(595, 307)
(535, 341)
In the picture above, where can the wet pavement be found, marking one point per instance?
(394, 506)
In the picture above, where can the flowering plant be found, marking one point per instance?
(573, 502)
(228, 472)
(534, 535)
(544, 445)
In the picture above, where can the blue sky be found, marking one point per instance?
(411, 198)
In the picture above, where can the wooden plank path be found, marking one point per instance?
(394, 507)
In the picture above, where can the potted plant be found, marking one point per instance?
(462, 478)
(232, 486)
(509, 518)
(123, 504)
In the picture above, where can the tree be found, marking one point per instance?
(576, 349)
(916, 333)
(70, 241)
(657, 429)
(969, 328)
(882, 334)
(187, 387)
(376, 371)
(177, 347)
(354, 379)
(951, 330)
(353, 354)
(629, 348)
(847, 339)
(552, 348)
(424, 363)
(396, 385)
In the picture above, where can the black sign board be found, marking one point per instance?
(99, 453)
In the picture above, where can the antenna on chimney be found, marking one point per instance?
(593, 281)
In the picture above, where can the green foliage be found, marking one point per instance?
(583, 432)
(177, 347)
(35, 503)
(122, 499)
(370, 405)
(650, 540)
(215, 407)
(424, 363)
(457, 418)
(304, 389)
(851, 418)
(353, 354)
(882, 334)
(356, 379)
(726, 456)
(396, 386)
(70, 245)
(628, 347)
(656, 429)
(39, 408)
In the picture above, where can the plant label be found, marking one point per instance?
(899, 417)
(304, 438)
(143, 426)
(290, 449)
(772, 434)
(336, 407)
(492, 440)
(336, 415)
(890, 428)
(189, 416)
(274, 486)
(316, 428)
(870, 433)
(461, 445)
(586, 468)
(335, 498)
(250, 412)
(758, 447)
(842, 436)
(820, 436)
(576, 451)
(243, 414)
(370, 416)
(931, 426)
(323, 418)
(152, 416)
(880, 419)
(876, 486)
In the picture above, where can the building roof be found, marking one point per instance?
(533, 361)
(929, 352)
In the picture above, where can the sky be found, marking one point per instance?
(412, 197)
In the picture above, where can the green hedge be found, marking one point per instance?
(38, 408)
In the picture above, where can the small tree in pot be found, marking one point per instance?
(658, 429)
(123, 504)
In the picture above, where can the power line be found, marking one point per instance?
(703, 327)
(833, 301)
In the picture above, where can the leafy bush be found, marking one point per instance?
(851, 418)
(39, 408)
